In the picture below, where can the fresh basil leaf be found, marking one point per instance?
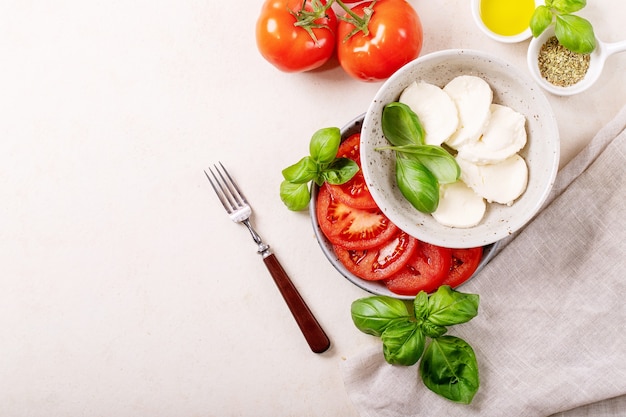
(403, 343)
(401, 126)
(295, 196)
(447, 307)
(432, 330)
(340, 171)
(302, 171)
(575, 33)
(540, 20)
(436, 159)
(324, 145)
(568, 6)
(417, 184)
(449, 368)
(373, 315)
(420, 305)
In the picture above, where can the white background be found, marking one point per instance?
(125, 290)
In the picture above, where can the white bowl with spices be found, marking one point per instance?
(562, 72)
(511, 88)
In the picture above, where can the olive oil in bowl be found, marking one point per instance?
(505, 21)
(506, 17)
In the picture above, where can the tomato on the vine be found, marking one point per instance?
(294, 38)
(382, 37)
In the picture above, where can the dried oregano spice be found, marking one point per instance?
(560, 66)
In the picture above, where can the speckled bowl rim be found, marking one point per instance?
(373, 287)
(511, 87)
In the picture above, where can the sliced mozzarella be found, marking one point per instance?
(459, 206)
(504, 136)
(501, 182)
(435, 109)
(472, 96)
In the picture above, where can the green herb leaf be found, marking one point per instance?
(401, 126)
(403, 343)
(325, 144)
(321, 165)
(575, 33)
(420, 305)
(295, 196)
(340, 171)
(449, 368)
(436, 159)
(540, 20)
(417, 184)
(432, 330)
(373, 315)
(302, 171)
(447, 307)
(568, 6)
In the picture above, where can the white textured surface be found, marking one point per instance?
(125, 289)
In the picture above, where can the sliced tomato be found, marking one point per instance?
(380, 262)
(354, 192)
(351, 227)
(350, 148)
(464, 264)
(425, 271)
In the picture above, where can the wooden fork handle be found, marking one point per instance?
(311, 329)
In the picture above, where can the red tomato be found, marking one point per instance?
(354, 192)
(351, 148)
(291, 48)
(426, 270)
(464, 264)
(380, 262)
(393, 38)
(350, 227)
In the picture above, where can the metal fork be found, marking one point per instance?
(239, 211)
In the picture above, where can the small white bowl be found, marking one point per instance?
(374, 287)
(596, 64)
(495, 36)
(512, 88)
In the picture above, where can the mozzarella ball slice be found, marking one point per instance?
(435, 109)
(459, 206)
(504, 136)
(472, 96)
(501, 182)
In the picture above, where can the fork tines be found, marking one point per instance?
(225, 187)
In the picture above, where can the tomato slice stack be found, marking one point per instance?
(370, 246)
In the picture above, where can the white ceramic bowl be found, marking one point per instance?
(475, 4)
(596, 64)
(510, 87)
(373, 287)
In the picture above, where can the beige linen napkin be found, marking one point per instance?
(550, 334)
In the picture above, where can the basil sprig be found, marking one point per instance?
(448, 364)
(420, 168)
(573, 32)
(321, 165)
